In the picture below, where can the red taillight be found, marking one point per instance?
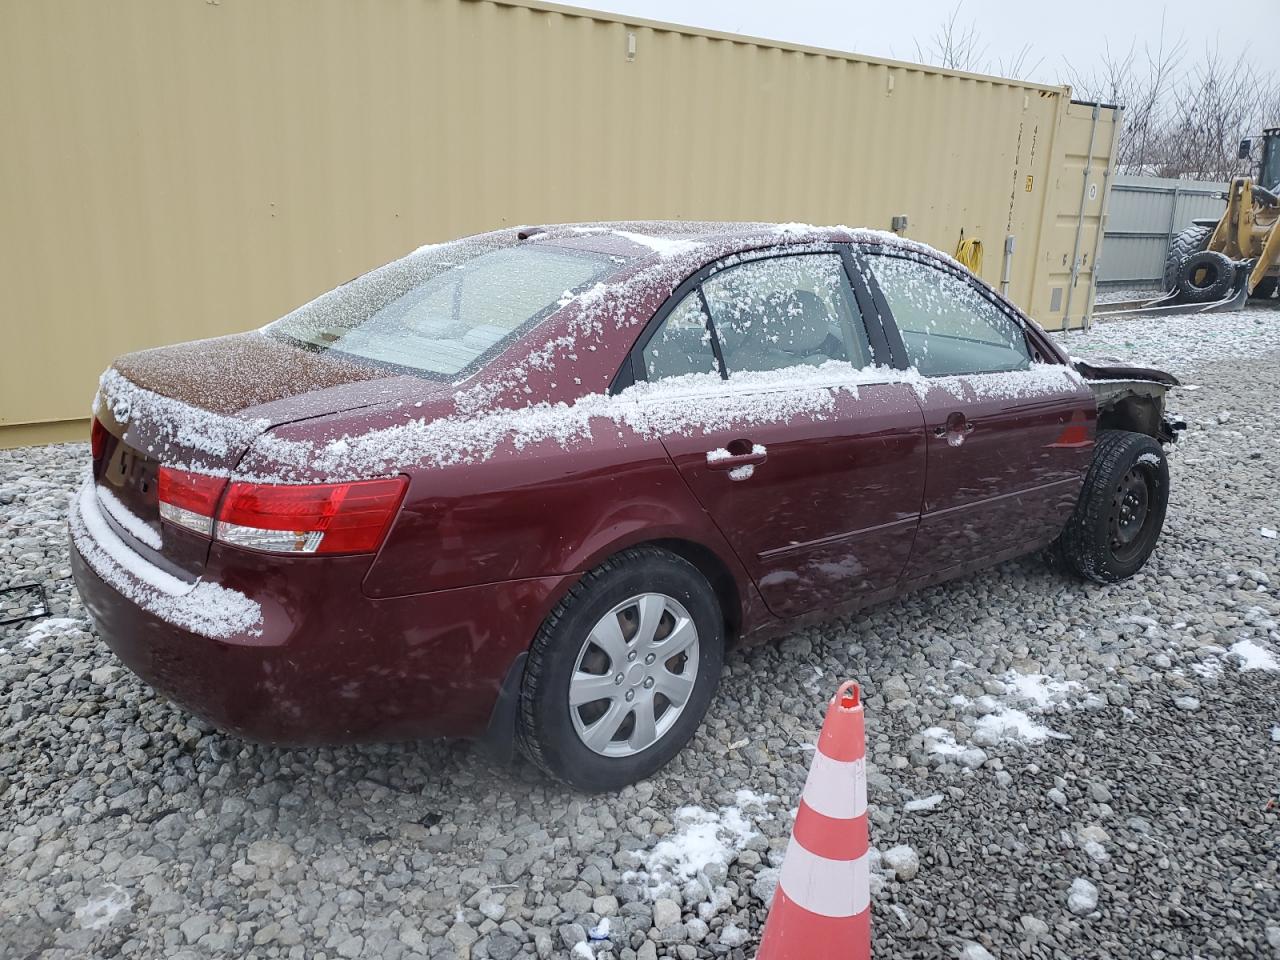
(310, 518)
(282, 518)
(189, 499)
(98, 439)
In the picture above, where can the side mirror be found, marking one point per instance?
(1246, 148)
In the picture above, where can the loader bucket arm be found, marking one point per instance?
(1269, 257)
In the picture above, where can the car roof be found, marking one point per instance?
(642, 237)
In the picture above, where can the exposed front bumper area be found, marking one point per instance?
(321, 663)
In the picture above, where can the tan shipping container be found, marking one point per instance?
(175, 169)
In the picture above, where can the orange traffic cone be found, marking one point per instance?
(822, 908)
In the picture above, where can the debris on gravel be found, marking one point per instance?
(1055, 769)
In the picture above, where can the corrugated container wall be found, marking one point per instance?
(175, 169)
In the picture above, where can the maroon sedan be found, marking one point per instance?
(531, 485)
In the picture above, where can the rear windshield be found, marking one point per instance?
(441, 309)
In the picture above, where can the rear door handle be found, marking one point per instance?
(957, 423)
(739, 453)
(740, 460)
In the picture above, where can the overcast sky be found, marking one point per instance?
(1058, 34)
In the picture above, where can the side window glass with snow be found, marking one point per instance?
(947, 326)
(682, 344)
(784, 312)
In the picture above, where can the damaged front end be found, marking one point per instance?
(1133, 398)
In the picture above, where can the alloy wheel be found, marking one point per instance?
(634, 675)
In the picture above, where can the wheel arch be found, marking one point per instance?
(728, 580)
(1135, 414)
(718, 574)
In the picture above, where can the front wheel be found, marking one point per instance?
(1121, 509)
(1266, 288)
(622, 671)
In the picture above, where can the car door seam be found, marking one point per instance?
(776, 552)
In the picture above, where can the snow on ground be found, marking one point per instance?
(48, 630)
(1180, 342)
(98, 912)
(1253, 656)
(702, 840)
(1001, 716)
(1115, 294)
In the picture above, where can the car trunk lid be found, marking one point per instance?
(198, 407)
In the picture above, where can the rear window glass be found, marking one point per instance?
(441, 309)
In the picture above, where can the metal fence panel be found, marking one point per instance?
(1144, 215)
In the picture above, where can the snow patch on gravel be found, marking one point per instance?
(49, 629)
(921, 804)
(702, 838)
(99, 911)
(996, 719)
(1254, 656)
(1008, 723)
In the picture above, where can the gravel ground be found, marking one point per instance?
(1113, 294)
(1059, 769)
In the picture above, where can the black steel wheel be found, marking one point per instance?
(1129, 524)
(1120, 513)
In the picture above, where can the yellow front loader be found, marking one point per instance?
(1219, 264)
(1239, 255)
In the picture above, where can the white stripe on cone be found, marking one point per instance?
(831, 888)
(837, 788)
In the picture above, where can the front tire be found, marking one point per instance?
(1121, 509)
(622, 671)
(1266, 288)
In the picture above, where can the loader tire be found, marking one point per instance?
(1206, 277)
(1186, 244)
(1266, 288)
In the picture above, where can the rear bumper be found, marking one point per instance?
(324, 663)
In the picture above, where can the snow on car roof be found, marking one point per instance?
(664, 253)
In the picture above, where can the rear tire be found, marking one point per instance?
(1121, 509)
(660, 628)
(1266, 288)
(1185, 245)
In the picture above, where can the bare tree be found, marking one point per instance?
(1142, 84)
(958, 46)
(1184, 117)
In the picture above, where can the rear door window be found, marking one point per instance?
(787, 311)
(947, 326)
(682, 344)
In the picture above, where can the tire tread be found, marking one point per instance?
(1185, 245)
(1076, 546)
